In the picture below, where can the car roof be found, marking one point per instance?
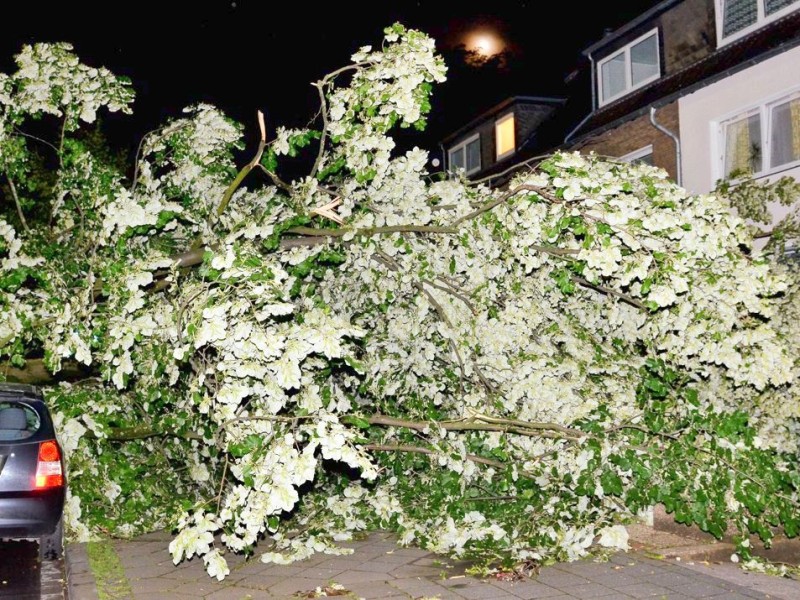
(20, 390)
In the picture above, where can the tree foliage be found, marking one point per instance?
(506, 375)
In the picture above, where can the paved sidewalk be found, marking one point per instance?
(379, 568)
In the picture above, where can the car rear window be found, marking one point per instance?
(17, 421)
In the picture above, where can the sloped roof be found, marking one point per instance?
(775, 38)
(498, 108)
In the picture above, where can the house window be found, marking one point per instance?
(736, 18)
(763, 139)
(631, 67)
(505, 141)
(466, 155)
(641, 156)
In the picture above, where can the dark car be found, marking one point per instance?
(32, 477)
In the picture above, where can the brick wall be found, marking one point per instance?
(688, 33)
(635, 134)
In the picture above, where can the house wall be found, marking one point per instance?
(688, 33)
(702, 110)
(635, 134)
(527, 118)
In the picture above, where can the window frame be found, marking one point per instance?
(626, 50)
(764, 111)
(463, 147)
(639, 153)
(762, 19)
(497, 123)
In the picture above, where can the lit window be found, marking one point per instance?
(762, 139)
(504, 136)
(641, 156)
(738, 17)
(466, 155)
(631, 67)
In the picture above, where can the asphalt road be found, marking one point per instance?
(22, 577)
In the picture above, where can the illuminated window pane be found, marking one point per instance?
(785, 133)
(504, 131)
(743, 145)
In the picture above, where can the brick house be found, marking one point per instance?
(702, 88)
(503, 136)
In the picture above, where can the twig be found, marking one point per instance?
(61, 141)
(516, 167)
(530, 429)
(369, 231)
(449, 290)
(608, 291)
(276, 180)
(222, 482)
(423, 450)
(324, 135)
(226, 198)
(490, 205)
(16, 202)
(33, 137)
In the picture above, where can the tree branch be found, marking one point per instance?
(324, 135)
(226, 197)
(370, 231)
(531, 429)
(496, 202)
(422, 450)
(609, 292)
(14, 195)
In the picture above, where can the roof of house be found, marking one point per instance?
(630, 25)
(498, 108)
(779, 36)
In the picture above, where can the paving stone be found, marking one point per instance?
(160, 596)
(422, 587)
(158, 584)
(557, 578)
(527, 589)
(83, 591)
(380, 569)
(355, 576)
(643, 590)
(234, 593)
(370, 589)
(297, 584)
(588, 590)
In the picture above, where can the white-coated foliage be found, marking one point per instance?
(508, 374)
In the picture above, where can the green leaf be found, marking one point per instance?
(611, 483)
(356, 421)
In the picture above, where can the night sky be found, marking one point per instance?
(247, 55)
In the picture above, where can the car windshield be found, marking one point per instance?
(17, 421)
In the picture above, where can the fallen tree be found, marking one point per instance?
(506, 375)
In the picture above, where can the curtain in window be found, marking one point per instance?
(785, 134)
(738, 14)
(773, 6)
(743, 145)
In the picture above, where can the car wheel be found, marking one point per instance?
(51, 547)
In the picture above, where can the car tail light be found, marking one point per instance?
(48, 471)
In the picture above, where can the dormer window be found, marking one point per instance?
(466, 155)
(736, 18)
(505, 140)
(631, 67)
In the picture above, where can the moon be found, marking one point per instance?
(486, 43)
